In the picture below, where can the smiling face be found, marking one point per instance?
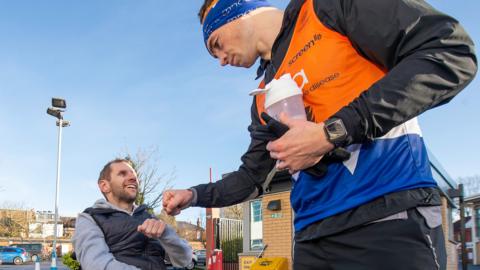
(234, 44)
(121, 186)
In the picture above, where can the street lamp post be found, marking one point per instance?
(58, 107)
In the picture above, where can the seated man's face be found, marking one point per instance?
(123, 182)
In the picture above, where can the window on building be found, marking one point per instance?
(256, 207)
(256, 244)
(256, 225)
(477, 222)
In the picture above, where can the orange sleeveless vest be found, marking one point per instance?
(330, 72)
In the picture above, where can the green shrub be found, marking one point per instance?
(231, 248)
(68, 261)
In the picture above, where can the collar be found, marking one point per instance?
(261, 68)
(104, 204)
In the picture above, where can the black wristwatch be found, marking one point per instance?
(336, 131)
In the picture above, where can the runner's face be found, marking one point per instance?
(233, 44)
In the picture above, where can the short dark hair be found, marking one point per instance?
(107, 170)
(203, 9)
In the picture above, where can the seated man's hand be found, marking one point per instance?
(152, 228)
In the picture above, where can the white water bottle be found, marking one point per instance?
(283, 95)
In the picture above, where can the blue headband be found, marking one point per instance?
(225, 11)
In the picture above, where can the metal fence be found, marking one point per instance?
(229, 238)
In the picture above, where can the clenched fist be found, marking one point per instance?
(176, 200)
(152, 228)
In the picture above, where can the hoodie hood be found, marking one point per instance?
(104, 204)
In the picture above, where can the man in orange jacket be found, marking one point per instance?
(371, 67)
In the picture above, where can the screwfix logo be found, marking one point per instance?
(305, 48)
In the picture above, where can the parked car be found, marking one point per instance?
(34, 250)
(201, 256)
(191, 266)
(194, 259)
(13, 255)
(1, 247)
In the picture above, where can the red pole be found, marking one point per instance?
(211, 219)
(210, 233)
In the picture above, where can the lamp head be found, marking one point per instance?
(55, 113)
(275, 205)
(59, 103)
(65, 123)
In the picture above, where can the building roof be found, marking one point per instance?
(474, 199)
(444, 180)
(183, 225)
(456, 224)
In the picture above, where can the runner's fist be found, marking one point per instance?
(175, 200)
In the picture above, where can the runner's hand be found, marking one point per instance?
(175, 200)
(301, 147)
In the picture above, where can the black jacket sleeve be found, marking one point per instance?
(242, 184)
(428, 55)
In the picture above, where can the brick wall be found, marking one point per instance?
(452, 257)
(277, 227)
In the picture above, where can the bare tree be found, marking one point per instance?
(471, 184)
(201, 220)
(152, 182)
(170, 220)
(13, 205)
(202, 223)
(14, 219)
(233, 212)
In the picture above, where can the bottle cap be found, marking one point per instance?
(278, 89)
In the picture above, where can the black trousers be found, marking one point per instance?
(400, 244)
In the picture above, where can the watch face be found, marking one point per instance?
(336, 130)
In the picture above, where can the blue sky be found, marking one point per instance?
(135, 74)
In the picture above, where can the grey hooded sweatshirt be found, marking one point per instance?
(93, 252)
